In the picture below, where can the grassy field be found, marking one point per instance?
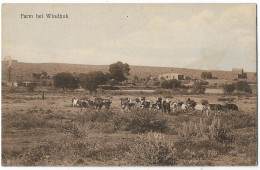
(50, 132)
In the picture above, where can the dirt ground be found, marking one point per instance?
(51, 132)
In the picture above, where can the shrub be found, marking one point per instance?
(141, 121)
(239, 119)
(243, 86)
(156, 83)
(31, 87)
(169, 84)
(206, 75)
(228, 88)
(153, 149)
(198, 89)
(65, 80)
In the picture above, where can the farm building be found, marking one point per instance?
(170, 76)
(239, 73)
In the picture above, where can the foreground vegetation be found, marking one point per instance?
(37, 135)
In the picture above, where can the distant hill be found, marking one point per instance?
(23, 71)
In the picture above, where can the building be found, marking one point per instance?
(170, 76)
(239, 73)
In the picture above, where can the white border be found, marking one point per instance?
(133, 1)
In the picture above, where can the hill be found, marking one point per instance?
(23, 71)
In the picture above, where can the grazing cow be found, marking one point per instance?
(230, 107)
(192, 103)
(184, 107)
(142, 103)
(173, 106)
(127, 104)
(180, 103)
(145, 104)
(202, 108)
(106, 103)
(75, 102)
(216, 107)
(158, 104)
(84, 103)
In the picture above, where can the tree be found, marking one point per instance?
(243, 86)
(92, 80)
(169, 84)
(65, 81)
(228, 88)
(206, 75)
(118, 71)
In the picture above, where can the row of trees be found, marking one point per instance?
(118, 72)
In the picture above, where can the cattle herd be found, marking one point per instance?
(164, 105)
(98, 103)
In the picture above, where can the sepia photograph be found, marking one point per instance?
(101, 85)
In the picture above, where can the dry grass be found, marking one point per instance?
(37, 133)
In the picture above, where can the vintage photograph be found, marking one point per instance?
(129, 85)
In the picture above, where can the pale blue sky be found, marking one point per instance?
(203, 36)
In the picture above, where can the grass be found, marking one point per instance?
(34, 136)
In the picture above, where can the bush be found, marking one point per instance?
(65, 80)
(141, 121)
(243, 86)
(228, 88)
(202, 82)
(92, 80)
(237, 120)
(206, 75)
(198, 89)
(31, 87)
(153, 149)
(169, 84)
(156, 83)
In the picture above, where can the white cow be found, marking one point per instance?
(173, 106)
(202, 108)
(75, 102)
(184, 107)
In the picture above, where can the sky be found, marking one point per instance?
(200, 36)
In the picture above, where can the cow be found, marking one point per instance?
(84, 103)
(184, 108)
(106, 103)
(173, 106)
(202, 108)
(158, 104)
(192, 103)
(216, 107)
(75, 102)
(166, 106)
(142, 103)
(230, 107)
(127, 104)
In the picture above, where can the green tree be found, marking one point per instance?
(65, 81)
(228, 88)
(118, 71)
(92, 80)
